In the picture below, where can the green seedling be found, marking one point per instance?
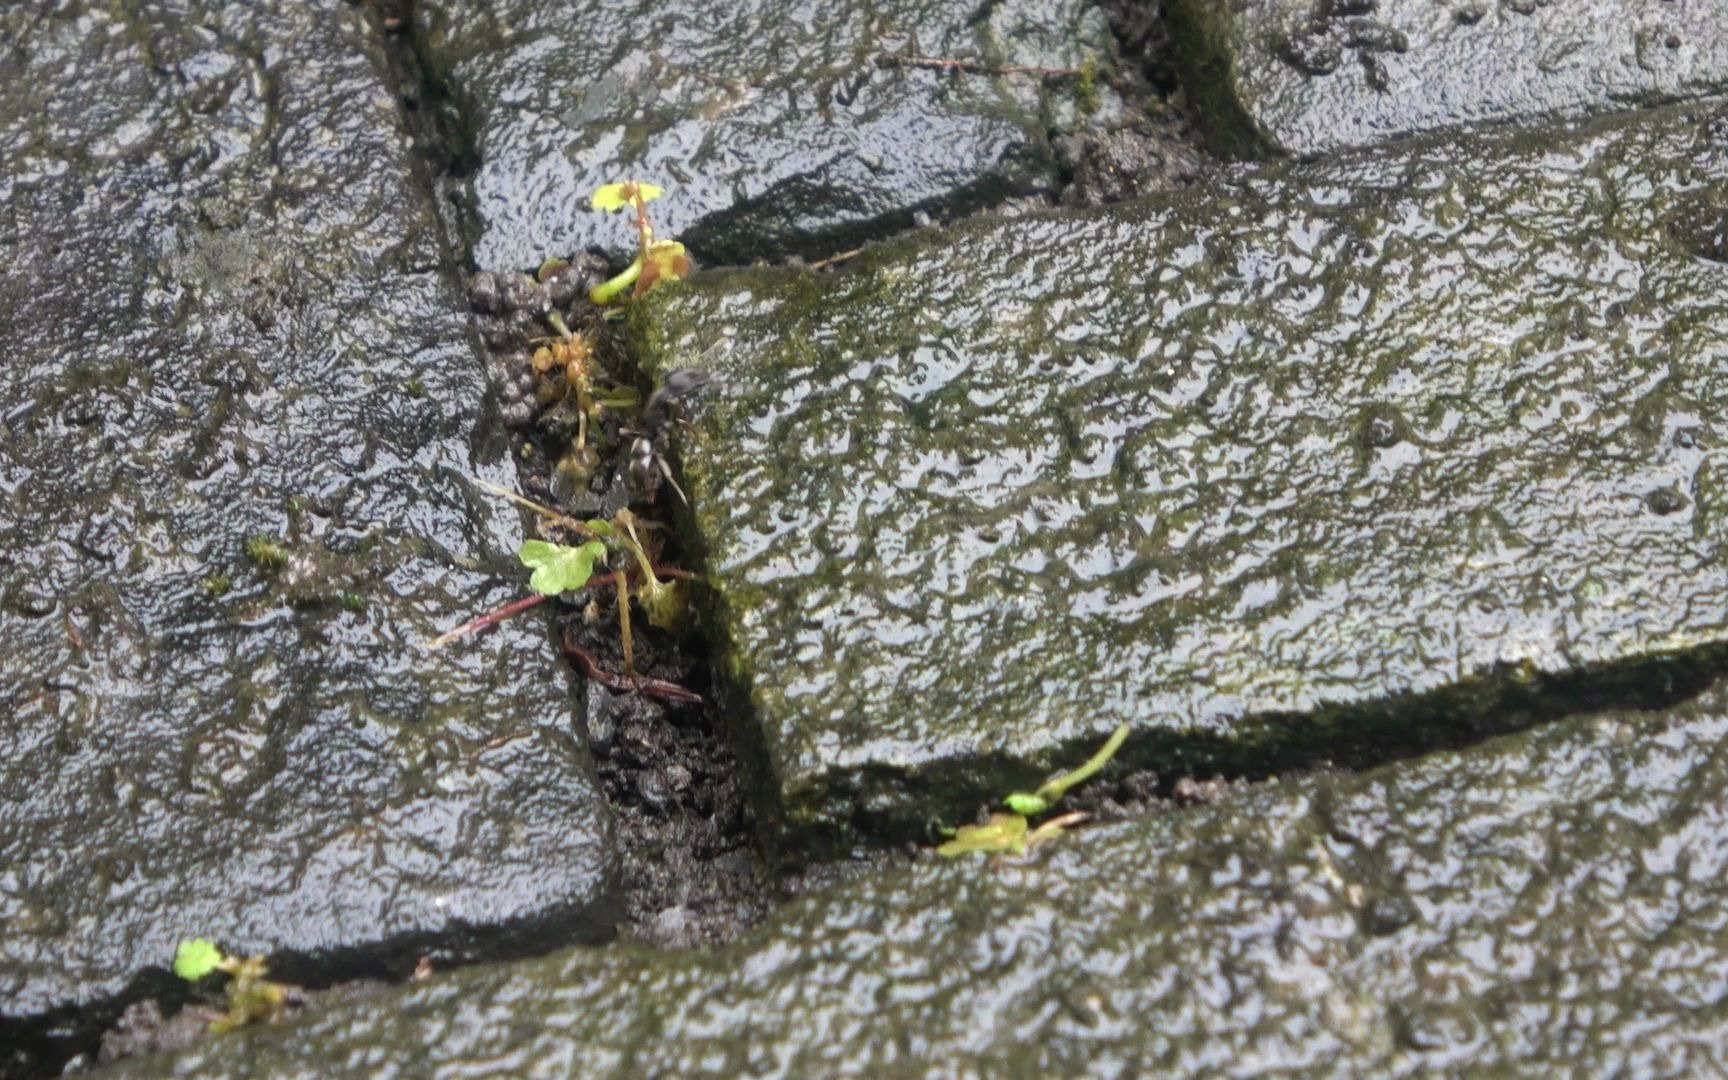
(666, 603)
(249, 995)
(1050, 792)
(662, 593)
(656, 260)
(1010, 832)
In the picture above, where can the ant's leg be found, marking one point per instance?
(666, 470)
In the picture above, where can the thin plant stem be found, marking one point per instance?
(514, 607)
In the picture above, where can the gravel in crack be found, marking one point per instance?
(1150, 153)
(1157, 147)
(1143, 38)
(153, 1025)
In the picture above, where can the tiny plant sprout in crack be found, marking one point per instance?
(1009, 832)
(249, 996)
(656, 260)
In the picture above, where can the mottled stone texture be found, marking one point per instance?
(1314, 76)
(1552, 902)
(1317, 460)
(775, 126)
(224, 317)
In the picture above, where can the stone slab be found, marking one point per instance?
(1551, 902)
(1315, 459)
(774, 126)
(1311, 77)
(225, 317)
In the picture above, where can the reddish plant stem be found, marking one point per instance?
(611, 680)
(514, 607)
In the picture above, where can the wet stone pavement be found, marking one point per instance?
(1381, 495)
(1558, 900)
(785, 128)
(1310, 77)
(225, 320)
(1311, 460)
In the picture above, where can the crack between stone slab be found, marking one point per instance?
(432, 115)
(73, 1034)
(693, 746)
(1153, 769)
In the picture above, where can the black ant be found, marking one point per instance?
(647, 466)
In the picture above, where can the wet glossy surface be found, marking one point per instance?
(1547, 902)
(1307, 77)
(772, 125)
(1251, 470)
(223, 318)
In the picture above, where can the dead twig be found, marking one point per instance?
(974, 67)
(578, 527)
(493, 744)
(835, 260)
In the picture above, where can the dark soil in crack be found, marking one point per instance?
(1157, 146)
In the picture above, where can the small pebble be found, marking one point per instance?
(483, 294)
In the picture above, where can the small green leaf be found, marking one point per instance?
(550, 267)
(1022, 803)
(599, 526)
(609, 197)
(1002, 833)
(558, 568)
(196, 958)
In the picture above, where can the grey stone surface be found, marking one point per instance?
(1317, 459)
(772, 125)
(224, 316)
(1314, 76)
(1555, 902)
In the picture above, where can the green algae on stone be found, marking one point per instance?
(1310, 77)
(1553, 902)
(220, 276)
(1320, 459)
(774, 126)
